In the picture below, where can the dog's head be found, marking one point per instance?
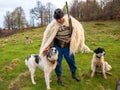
(27, 37)
(99, 52)
(52, 54)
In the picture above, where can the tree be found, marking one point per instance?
(74, 10)
(111, 9)
(15, 19)
(94, 10)
(7, 20)
(49, 12)
(37, 12)
(19, 18)
(42, 13)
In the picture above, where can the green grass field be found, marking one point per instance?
(14, 74)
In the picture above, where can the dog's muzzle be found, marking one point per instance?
(103, 53)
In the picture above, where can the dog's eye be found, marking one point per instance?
(52, 50)
(55, 50)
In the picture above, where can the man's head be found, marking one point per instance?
(58, 15)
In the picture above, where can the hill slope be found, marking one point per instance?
(14, 74)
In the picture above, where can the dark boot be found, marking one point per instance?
(75, 77)
(59, 81)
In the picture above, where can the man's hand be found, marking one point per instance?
(46, 50)
(68, 40)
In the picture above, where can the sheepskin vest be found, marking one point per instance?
(77, 37)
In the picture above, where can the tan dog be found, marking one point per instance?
(98, 63)
(28, 40)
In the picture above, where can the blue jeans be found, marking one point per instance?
(69, 58)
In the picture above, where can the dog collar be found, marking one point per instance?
(53, 62)
(98, 56)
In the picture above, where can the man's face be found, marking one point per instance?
(61, 20)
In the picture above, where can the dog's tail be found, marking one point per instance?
(107, 66)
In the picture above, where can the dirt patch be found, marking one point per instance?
(18, 82)
(11, 66)
(85, 74)
(1, 79)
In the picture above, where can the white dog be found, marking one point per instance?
(98, 63)
(47, 64)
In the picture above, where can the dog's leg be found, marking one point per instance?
(93, 70)
(47, 80)
(103, 71)
(32, 71)
(50, 76)
(55, 64)
(109, 73)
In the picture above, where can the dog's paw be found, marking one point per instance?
(105, 77)
(50, 80)
(48, 88)
(92, 75)
(34, 83)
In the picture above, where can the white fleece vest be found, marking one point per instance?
(77, 38)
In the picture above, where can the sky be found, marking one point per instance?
(27, 5)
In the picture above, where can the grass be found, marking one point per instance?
(14, 74)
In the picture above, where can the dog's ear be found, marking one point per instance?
(101, 48)
(96, 50)
(48, 54)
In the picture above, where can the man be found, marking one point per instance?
(59, 35)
